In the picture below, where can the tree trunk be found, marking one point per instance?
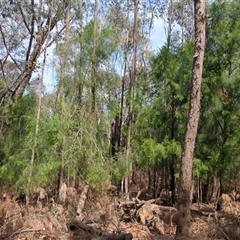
(184, 191)
(81, 202)
(115, 136)
(38, 112)
(131, 98)
(94, 62)
(215, 189)
(172, 183)
(63, 62)
(31, 58)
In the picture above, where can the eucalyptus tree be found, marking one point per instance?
(130, 59)
(86, 85)
(23, 32)
(61, 92)
(183, 15)
(27, 29)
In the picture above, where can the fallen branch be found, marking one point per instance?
(127, 236)
(20, 231)
(139, 203)
(76, 224)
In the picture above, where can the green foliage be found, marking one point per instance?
(200, 170)
(173, 148)
(19, 143)
(119, 168)
(152, 152)
(105, 42)
(217, 143)
(69, 135)
(98, 172)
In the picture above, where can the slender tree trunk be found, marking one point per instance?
(215, 189)
(38, 112)
(172, 162)
(63, 61)
(122, 101)
(94, 62)
(131, 97)
(170, 21)
(184, 191)
(115, 136)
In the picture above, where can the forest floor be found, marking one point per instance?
(104, 214)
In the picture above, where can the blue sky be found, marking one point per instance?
(158, 36)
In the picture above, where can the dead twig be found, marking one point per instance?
(20, 231)
(224, 234)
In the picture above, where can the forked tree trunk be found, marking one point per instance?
(184, 191)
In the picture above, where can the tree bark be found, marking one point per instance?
(94, 62)
(184, 199)
(39, 106)
(63, 66)
(131, 97)
(26, 75)
(81, 202)
(38, 29)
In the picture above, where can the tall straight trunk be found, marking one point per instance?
(94, 62)
(131, 97)
(38, 111)
(184, 191)
(172, 162)
(215, 189)
(170, 21)
(80, 31)
(63, 61)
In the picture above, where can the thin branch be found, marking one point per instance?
(4, 77)
(25, 231)
(5, 45)
(53, 40)
(31, 33)
(24, 20)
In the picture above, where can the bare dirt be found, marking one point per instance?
(46, 219)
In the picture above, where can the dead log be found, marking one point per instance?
(139, 203)
(127, 236)
(76, 224)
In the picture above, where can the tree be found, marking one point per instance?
(218, 140)
(23, 31)
(184, 198)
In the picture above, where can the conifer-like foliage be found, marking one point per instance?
(90, 65)
(218, 139)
